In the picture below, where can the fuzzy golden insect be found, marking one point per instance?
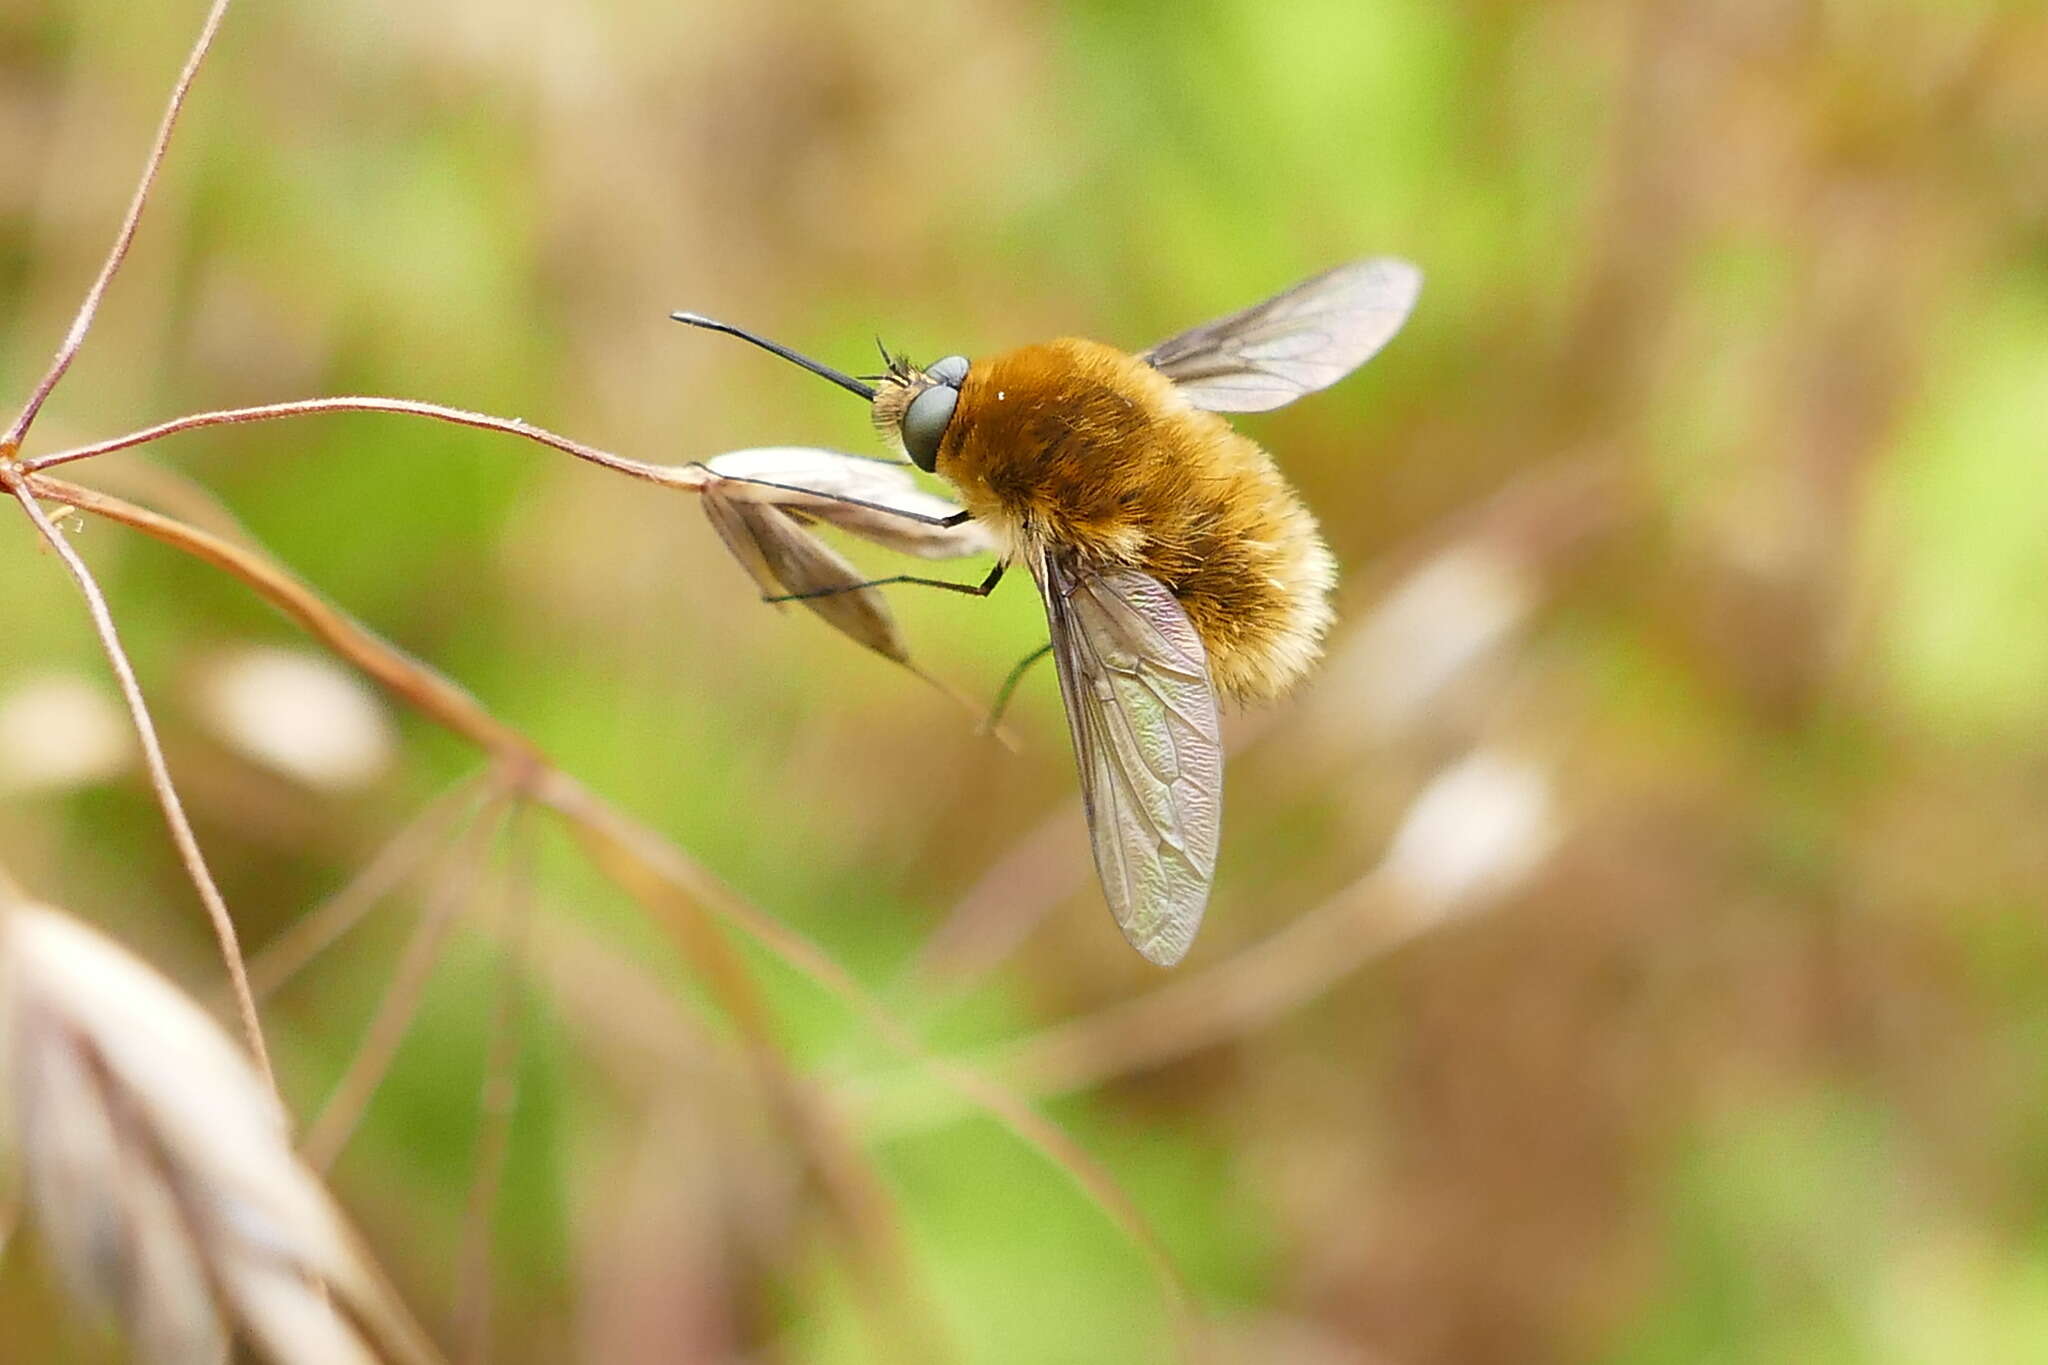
(1173, 559)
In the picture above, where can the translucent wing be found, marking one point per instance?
(1294, 343)
(1135, 679)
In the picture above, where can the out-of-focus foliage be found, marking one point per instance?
(1703, 492)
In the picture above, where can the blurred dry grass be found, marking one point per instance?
(1705, 483)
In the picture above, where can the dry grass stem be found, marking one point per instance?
(498, 1100)
(159, 1167)
(689, 477)
(662, 1249)
(285, 956)
(90, 307)
(452, 891)
(756, 500)
(143, 478)
(160, 780)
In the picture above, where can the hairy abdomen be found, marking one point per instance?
(1076, 444)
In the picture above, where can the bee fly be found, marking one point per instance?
(1174, 561)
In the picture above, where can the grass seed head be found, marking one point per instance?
(159, 1168)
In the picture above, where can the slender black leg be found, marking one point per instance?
(1009, 688)
(981, 589)
(955, 519)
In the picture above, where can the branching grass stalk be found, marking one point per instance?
(285, 956)
(89, 308)
(159, 776)
(672, 476)
(498, 1100)
(453, 890)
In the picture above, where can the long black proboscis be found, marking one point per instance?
(846, 382)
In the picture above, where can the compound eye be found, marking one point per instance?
(952, 370)
(924, 423)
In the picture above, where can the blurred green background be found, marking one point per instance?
(1698, 515)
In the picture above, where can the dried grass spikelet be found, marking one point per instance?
(758, 501)
(299, 714)
(1480, 829)
(1429, 633)
(761, 502)
(159, 1170)
(806, 479)
(59, 732)
(783, 559)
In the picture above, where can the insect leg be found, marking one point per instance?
(981, 589)
(955, 519)
(1009, 687)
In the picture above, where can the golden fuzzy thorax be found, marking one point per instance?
(1077, 444)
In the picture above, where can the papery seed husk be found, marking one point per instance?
(812, 478)
(160, 1169)
(784, 559)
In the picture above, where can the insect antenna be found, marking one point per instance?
(896, 367)
(846, 382)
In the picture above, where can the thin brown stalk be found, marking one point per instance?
(159, 778)
(672, 476)
(142, 478)
(498, 1102)
(330, 1132)
(278, 961)
(87, 310)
